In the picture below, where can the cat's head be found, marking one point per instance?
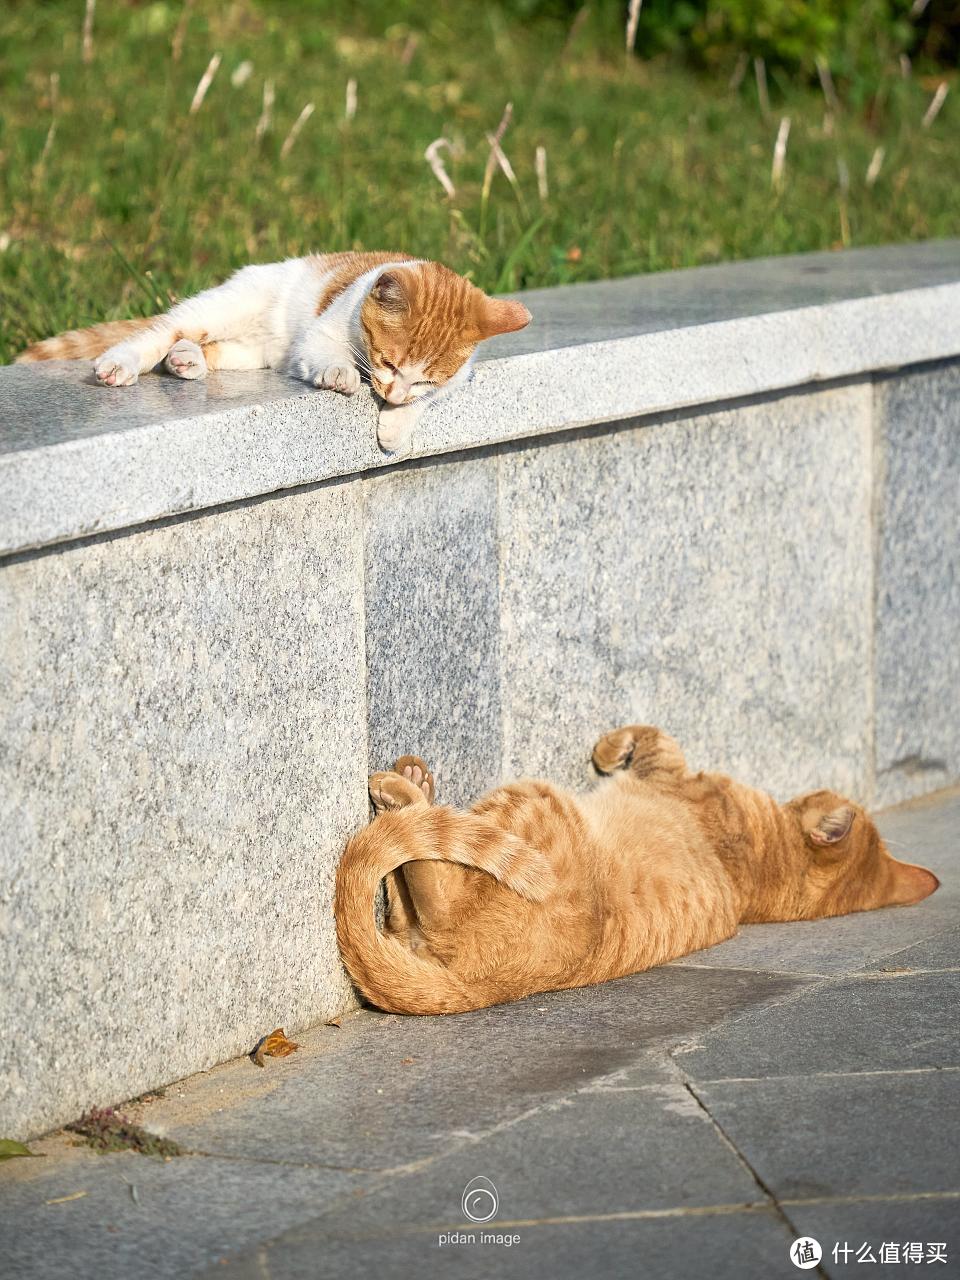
(846, 865)
(421, 324)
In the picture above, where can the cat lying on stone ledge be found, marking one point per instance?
(535, 889)
(410, 326)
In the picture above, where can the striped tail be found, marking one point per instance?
(389, 974)
(84, 344)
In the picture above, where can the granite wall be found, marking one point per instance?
(191, 708)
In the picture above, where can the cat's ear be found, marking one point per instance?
(390, 293)
(499, 315)
(832, 827)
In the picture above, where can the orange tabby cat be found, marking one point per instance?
(409, 326)
(535, 889)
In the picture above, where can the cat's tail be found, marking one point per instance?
(388, 973)
(84, 344)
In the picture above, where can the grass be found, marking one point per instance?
(130, 200)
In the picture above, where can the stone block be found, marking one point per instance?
(710, 575)
(433, 622)
(183, 756)
(918, 583)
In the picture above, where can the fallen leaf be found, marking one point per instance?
(9, 1149)
(574, 253)
(405, 1062)
(77, 1195)
(275, 1045)
(334, 1022)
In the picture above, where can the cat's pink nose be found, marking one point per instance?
(396, 392)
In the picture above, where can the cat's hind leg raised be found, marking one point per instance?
(642, 748)
(429, 890)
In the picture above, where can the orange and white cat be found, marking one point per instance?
(408, 325)
(535, 889)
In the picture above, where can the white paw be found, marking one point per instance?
(118, 367)
(396, 427)
(338, 377)
(185, 360)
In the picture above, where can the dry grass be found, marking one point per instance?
(115, 196)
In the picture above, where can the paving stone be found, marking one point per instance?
(941, 951)
(727, 1246)
(433, 623)
(844, 1135)
(178, 786)
(917, 653)
(875, 1022)
(852, 1225)
(188, 1212)
(384, 1091)
(720, 651)
(735, 1246)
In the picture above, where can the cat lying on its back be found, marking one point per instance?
(410, 326)
(535, 890)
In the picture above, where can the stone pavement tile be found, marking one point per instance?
(873, 1022)
(942, 951)
(927, 832)
(927, 828)
(873, 1222)
(433, 622)
(385, 1090)
(724, 1246)
(844, 1135)
(188, 1212)
(593, 1153)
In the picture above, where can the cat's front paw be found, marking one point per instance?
(338, 377)
(185, 360)
(118, 367)
(396, 427)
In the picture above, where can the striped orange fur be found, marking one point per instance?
(535, 889)
(84, 344)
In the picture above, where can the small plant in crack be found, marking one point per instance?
(107, 1130)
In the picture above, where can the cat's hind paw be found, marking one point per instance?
(614, 751)
(388, 791)
(416, 771)
(117, 367)
(185, 359)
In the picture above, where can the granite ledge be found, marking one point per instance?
(77, 459)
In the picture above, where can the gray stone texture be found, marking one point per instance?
(76, 458)
(433, 622)
(723, 1246)
(844, 1133)
(141, 1218)
(700, 576)
(918, 583)
(182, 749)
(896, 1219)
(918, 1013)
(385, 1092)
